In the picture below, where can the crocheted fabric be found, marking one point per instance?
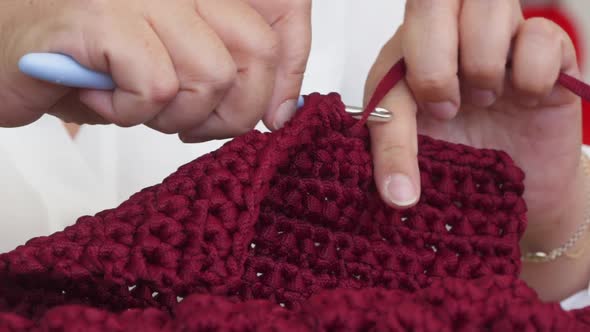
(285, 231)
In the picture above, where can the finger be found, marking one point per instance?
(71, 110)
(131, 51)
(542, 50)
(214, 128)
(430, 48)
(204, 67)
(394, 144)
(486, 31)
(291, 19)
(254, 47)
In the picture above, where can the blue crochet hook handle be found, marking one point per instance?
(62, 69)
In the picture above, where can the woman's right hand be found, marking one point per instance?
(205, 69)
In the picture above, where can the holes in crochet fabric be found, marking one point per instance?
(155, 256)
(342, 243)
(296, 226)
(320, 225)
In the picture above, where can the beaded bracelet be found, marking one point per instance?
(543, 257)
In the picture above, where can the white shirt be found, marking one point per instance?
(49, 179)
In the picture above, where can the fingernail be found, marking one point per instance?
(400, 190)
(483, 98)
(284, 113)
(443, 110)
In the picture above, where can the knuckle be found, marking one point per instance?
(532, 87)
(432, 81)
(396, 150)
(543, 28)
(185, 138)
(267, 47)
(239, 129)
(127, 120)
(162, 91)
(163, 126)
(141, 112)
(484, 71)
(541, 24)
(223, 77)
(243, 128)
(167, 130)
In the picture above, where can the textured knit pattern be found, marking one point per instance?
(286, 232)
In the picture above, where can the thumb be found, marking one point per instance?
(291, 20)
(394, 144)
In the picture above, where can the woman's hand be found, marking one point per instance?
(205, 69)
(480, 75)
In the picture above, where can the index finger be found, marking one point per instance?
(291, 19)
(394, 144)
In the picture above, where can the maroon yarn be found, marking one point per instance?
(285, 231)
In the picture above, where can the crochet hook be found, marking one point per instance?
(63, 70)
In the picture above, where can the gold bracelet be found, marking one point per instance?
(544, 257)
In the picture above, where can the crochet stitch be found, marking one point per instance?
(286, 231)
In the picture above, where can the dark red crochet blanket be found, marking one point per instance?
(285, 231)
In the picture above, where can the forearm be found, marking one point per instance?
(570, 273)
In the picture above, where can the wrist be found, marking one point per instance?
(565, 240)
(552, 228)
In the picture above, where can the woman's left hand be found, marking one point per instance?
(458, 88)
